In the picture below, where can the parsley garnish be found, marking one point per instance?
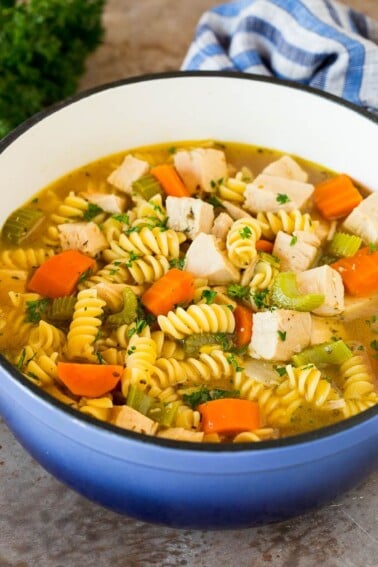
(282, 198)
(281, 370)
(293, 241)
(178, 263)
(245, 232)
(209, 296)
(35, 310)
(237, 291)
(260, 299)
(203, 395)
(131, 260)
(84, 276)
(138, 327)
(282, 335)
(233, 361)
(92, 211)
(125, 219)
(374, 344)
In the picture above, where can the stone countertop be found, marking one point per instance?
(45, 524)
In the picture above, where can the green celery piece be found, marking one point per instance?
(147, 186)
(286, 295)
(62, 308)
(20, 225)
(344, 245)
(193, 343)
(129, 312)
(333, 352)
(164, 414)
(139, 400)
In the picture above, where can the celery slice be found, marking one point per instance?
(62, 308)
(147, 186)
(164, 414)
(286, 295)
(194, 343)
(336, 352)
(20, 225)
(139, 400)
(270, 259)
(129, 311)
(344, 245)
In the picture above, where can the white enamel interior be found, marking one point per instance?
(188, 108)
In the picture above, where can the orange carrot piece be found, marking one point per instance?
(58, 276)
(336, 197)
(170, 180)
(176, 286)
(92, 380)
(229, 416)
(264, 246)
(359, 272)
(243, 325)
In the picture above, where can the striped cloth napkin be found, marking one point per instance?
(321, 43)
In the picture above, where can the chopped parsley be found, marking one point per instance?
(261, 299)
(282, 198)
(245, 232)
(131, 260)
(208, 295)
(282, 335)
(178, 263)
(125, 219)
(204, 394)
(293, 241)
(213, 200)
(374, 344)
(237, 291)
(231, 358)
(281, 370)
(36, 309)
(137, 328)
(92, 211)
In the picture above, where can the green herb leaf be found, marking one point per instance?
(203, 395)
(282, 335)
(282, 198)
(36, 309)
(92, 211)
(237, 291)
(209, 296)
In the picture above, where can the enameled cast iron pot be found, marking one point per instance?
(173, 483)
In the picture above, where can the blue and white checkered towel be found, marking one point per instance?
(321, 43)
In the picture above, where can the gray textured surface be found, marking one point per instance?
(44, 524)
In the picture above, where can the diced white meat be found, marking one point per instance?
(129, 171)
(129, 418)
(234, 211)
(205, 259)
(286, 167)
(296, 251)
(279, 334)
(181, 434)
(108, 202)
(268, 193)
(363, 220)
(189, 215)
(201, 168)
(327, 281)
(221, 226)
(361, 308)
(83, 236)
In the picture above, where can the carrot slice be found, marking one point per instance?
(175, 287)
(264, 246)
(359, 272)
(58, 276)
(336, 197)
(170, 180)
(229, 416)
(92, 380)
(243, 325)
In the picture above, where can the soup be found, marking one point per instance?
(202, 292)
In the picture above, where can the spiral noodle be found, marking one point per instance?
(187, 418)
(355, 406)
(84, 326)
(271, 223)
(150, 241)
(356, 377)
(241, 241)
(307, 382)
(149, 210)
(24, 258)
(212, 366)
(232, 189)
(276, 409)
(197, 319)
(263, 276)
(166, 348)
(41, 367)
(140, 360)
(263, 434)
(47, 338)
(100, 408)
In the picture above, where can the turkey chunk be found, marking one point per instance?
(296, 251)
(205, 259)
(129, 171)
(181, 434)
(108, 202)
(279, 334)
(189, 215)
(327, 281)
(363, 220)
(268, 193)
(286, 167)
(221, 226)
(83, 236)
(201, 167)
(129, 418)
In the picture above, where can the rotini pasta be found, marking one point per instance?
(84, 327)
(288, 222)
(241, 242)
(197, 319)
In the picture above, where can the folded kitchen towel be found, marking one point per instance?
(321, 43)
